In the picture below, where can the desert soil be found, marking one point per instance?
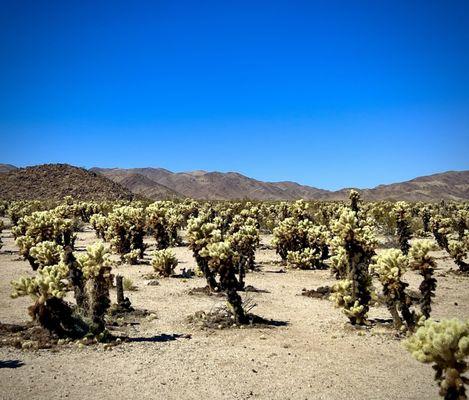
(317, 355)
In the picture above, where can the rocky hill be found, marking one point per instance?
(55, 181)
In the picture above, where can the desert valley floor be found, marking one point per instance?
(316, 355)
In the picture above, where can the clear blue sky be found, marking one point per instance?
(326, 93)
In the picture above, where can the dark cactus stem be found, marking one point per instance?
(161, 236)
(454, 389)
(56, 316)
(404, 305)
(462, 226)
(209, 276)
(463, 266)
(241, 272)
(120, 289)
(426, 221)
(122, 302)
(230, 284)
(440, 238)
(75, 275)
(358, 262)
(100, 301)
(427, 289)
(404, 234)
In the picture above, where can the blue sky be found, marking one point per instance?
(327, 93)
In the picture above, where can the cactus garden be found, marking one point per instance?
(89, 281)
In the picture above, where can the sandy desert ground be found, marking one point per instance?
(317, 355)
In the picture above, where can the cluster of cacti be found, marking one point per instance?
(18, 209)
(99, 222)
(126, 230)
(42, 226)
(301, 240)
(163, 221)
(403, 231)
(47, 290)
(89, 274)
(46, 253)
(353, 245)
(444, 344)
(164, 262)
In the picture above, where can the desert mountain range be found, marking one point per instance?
(231, 185)
(58, 180)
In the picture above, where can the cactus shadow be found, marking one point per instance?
(11, 364)
(164, 337)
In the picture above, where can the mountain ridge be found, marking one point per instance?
(450, 185)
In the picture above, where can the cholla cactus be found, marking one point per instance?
(19, 209)
(202, 231)
(390, 266)
(99, 223)
(403, 231)
(441, 229)
(126, 230)
(353, 244)
(131, 257)
(426, 216)
(303, 259)
(342, 297)
(47, 290)
(354, 197)
(158, 224)
(244, 239)
(46, 253)
(462, 223)
(50, 282)
(96, 267)
(222, 260)
(458, 249)
(164, 262)
(425, 264)
(444, 344)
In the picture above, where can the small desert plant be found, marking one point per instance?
(444, 344)
(131, 257)
(164, 262)
(128, 284)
